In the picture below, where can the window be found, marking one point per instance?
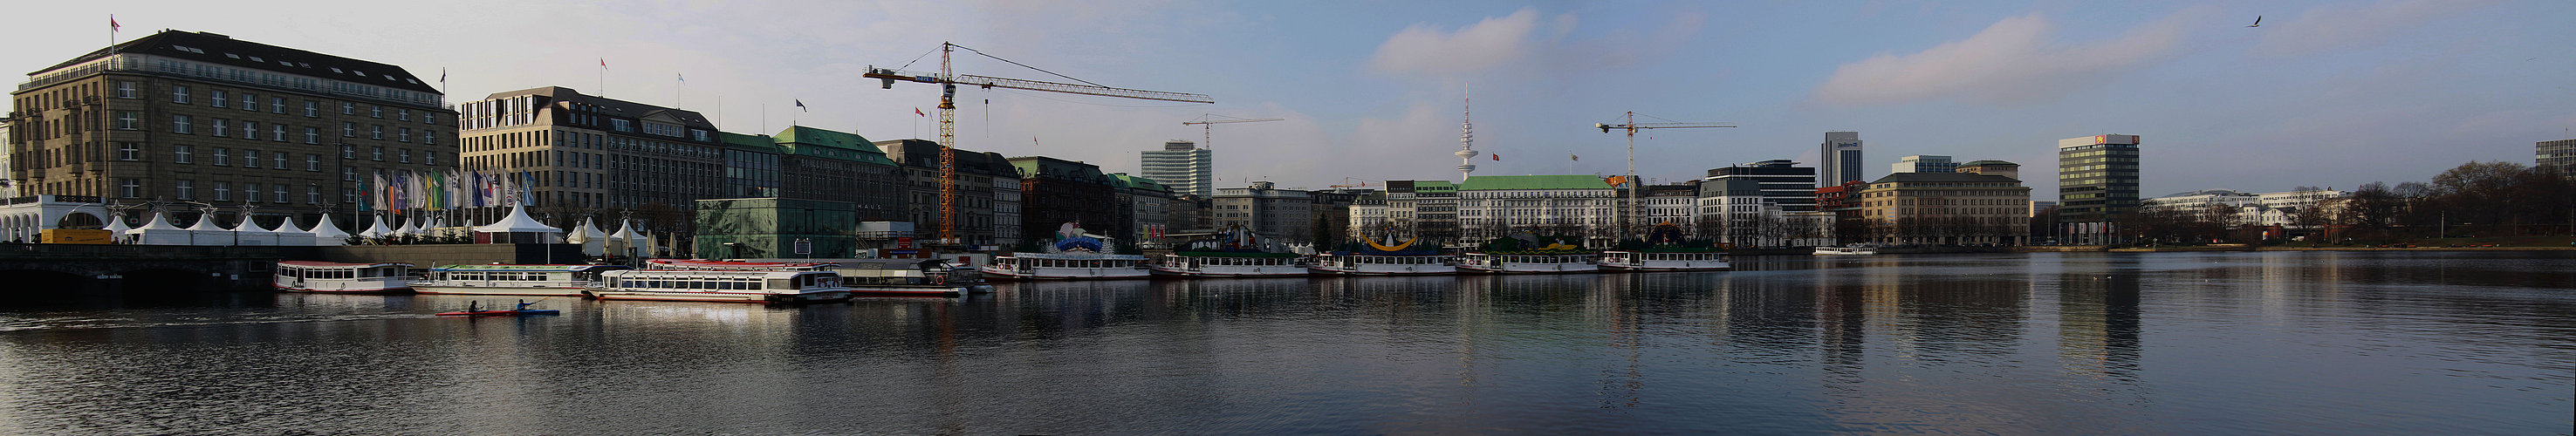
(429, 157)
(348, 174)
(277, 193)
(406, 155)
(348, 130)
(277, 105)
(375, 132)
(429, 118)
(312, 135)
(429, 137)
(127, 120)
(223, 191)
(621, 125)
(250, 158)
(223, 156)
(179, 124)
(215, 98)
(129, 151)
(125, 90)
(349, 195)
(375, 111)
(347, 108)
(404, 134)
(219, 126)
(277, 160)
(179, 94)
(183, 154)
(250, 192)
(313, 162)
(402, 114)
(187, 189)
(250, 102)
(379, 153)
(250, 130)
(312, 194)
(348, 151)
(277, 132)
(312, 108)
(129, 188)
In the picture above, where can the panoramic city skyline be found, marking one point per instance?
(2322, 94)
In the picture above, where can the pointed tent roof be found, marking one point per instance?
(249, 225)
(584, 233)
(518, 221)
(407, 227)
(206, 222)
(625, 231)
(377, 229)
(116, 225)
(157, 222)
(324, 228)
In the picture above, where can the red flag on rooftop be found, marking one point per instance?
(1497, 156)
(917, 112)
(111, 23)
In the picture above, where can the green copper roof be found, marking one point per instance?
(1490, 183)
(808, 141)
(761, 143)
(1135, 182)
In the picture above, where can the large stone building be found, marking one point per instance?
(818, 164)
(1146, 206)
(1581, 206)
(1746, 211)
(1947, 208)
(1057, 191)
(193, 117)
(2559, 155)
(987, 198)
(582, 154)
(1284, 214)
(2097, 183)
(1840, 157)
(1183, 166)
(1427, 209)
(2231, 207)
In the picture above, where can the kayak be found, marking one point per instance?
(503, 312)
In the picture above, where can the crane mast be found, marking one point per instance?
(948, 79)
(1635, 185)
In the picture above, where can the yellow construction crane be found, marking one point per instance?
(1635, 185)
(948, 79)
(1206, 125)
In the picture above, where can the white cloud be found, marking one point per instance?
(1426, 50)
(2337, 26)
(2014, 61)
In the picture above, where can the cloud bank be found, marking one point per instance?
(2015, 61)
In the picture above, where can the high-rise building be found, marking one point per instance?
(1923, 163)
(2097, 182)
(2559, 154)
(1840, 159)
(1182, 166)
(194, 117)
(1781, 181)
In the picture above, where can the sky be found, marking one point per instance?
(2323, 93)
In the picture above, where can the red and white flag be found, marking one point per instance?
(111, 23)
(917, 112)
(1497, 156)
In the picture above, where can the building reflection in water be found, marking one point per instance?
(2098, 323)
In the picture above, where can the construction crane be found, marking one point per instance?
(1632, 126)
(1206, 125)
(948, 79)
(1346, 183)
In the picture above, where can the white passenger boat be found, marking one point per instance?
(735, 265)
(1488, 263)
(1235, 252)
(1651, 260)
(1075, 255)
(1376, 259)
(720, 286)
(1849, 250)
(335, 277)
(504, 279)
(909, 277)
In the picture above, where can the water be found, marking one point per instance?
(2287, 342)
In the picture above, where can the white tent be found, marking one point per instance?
(407, 228)
(158, 231)
(288, 235)
(206, 232)
(376, 230)
(517, 228)
(116, 228)
(626, 242)
(325, 233)
(593, 242)
(249, 232)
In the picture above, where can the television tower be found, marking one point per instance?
(1466, 136)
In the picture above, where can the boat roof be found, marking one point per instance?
(321, 264)
(1073, 256)
(684, 273)
(513, 267)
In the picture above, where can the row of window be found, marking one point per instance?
(219, 127)
(187, 154)
(185, 189)
(181, 94)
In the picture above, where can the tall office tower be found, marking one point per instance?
(2097, 180)
(180, 118)
(1839, 159)
(1182, 166)
(1923, 163)
(2559, 154)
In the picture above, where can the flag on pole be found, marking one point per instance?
(477, 178)
(917, 112)
(800, 105)
(111, 23)
(603, 63)
(1497, 156)
(1576, 158)
(681, 77)
(442, 75)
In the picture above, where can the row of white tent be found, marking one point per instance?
(158, 230)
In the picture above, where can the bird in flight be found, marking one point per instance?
(2258, 21)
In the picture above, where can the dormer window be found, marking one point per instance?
(257, 59)
(336, 70)
(230, 55)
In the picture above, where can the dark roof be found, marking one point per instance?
(1944, 177)
(925, 153)
(214, 48)
(609, 106)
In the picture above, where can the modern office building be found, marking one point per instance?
(1182, 166)
(1923, 163)
(1840, 159)
(1781, 181)
(2559, 154)
(183, 120)
(988, 192)
(579, 154)
(1745, 211)
(1947, 208)
(2097, 183)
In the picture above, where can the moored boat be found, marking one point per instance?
(1654, 260)
(1527, 253)
(522, 312)
(1371, 258)
(909, 277)
(734, 265)
(1236, 252)
(506, 279)
(720, 286)
(335, 277)
(1848, 250)
(1075, 255)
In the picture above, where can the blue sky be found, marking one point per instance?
(2324, 93)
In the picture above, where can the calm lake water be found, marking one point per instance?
(2163, 343)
